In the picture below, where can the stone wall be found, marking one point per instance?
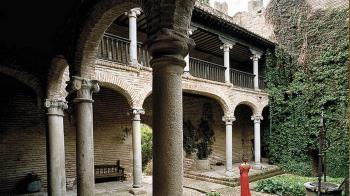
(22, 134)
(112, 133)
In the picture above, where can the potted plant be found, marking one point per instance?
(204, 141)
(33, 182)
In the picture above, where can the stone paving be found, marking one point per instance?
(192, 188)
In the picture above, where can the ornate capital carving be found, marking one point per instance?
(136, 112)
(169, 45)
(228, 119)
(191, 30)
(134, 12)
(226, 46)
(255, 55)
(257, 119)
(84, 88)
(55, 106)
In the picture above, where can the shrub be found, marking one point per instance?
(205, 139)
(298, 168)
(146, 145)
(149, 168)
(288, 184)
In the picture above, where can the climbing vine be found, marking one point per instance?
(306, 71)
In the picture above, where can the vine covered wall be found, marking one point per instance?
(307, 70)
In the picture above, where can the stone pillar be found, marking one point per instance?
(228, 122)
(136, 144)
(226, 47)
(57, 171)
(168, 48)
(257, 146)
(256, 56)
(132, 14)
(84, 133)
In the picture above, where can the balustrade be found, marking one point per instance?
(116, 49)
(240, 78)
(207, 70)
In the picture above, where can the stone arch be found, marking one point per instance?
(94, 24)
(57, 76)
(27, 79)
(212, 93)
(113, 82)
(250, 104)
(205, 91)
(261, 107)
(146, 92)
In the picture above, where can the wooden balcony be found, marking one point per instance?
(116, 49)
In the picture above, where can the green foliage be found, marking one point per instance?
(146, 145)
(288, 184)
(205, 139)
(204, 1)
(213, 194)
(306, 71)
(189, 133)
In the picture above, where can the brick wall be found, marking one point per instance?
(22, 134)
(112, 132)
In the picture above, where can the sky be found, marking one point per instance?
(235, 6)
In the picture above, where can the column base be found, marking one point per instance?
(229, 173)
(187, 73)
(138, 191)
(257, 166)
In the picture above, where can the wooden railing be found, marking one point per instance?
(241, 78)
(207, 70)
(262, 84)
(116, 49)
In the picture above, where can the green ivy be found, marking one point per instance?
(307, 70)
(146, 145)
(288, 184)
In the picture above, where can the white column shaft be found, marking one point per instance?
(187, 67)
(133, 38)
(228, 146)
(137, 156)
(256, 72)
(257, 154)
(227, 64)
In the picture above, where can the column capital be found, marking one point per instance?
(228, 119)
(191, 30)
(226, 46)
(169, 47)
(55, 106)
(256, 55)
(84, 88)
(136, 112)
(257, 119)
(134, 12)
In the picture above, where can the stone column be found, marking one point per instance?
(256, 56)
(57, 171)
(136, 143)
(228, 121)
(226, 47)
(84, 133)
(168, 49)
(257, 146)
(132, 14)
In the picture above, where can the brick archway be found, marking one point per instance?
(113, 82)
(94, 24)
(27, 79)
(250, 104)
(58, 75)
